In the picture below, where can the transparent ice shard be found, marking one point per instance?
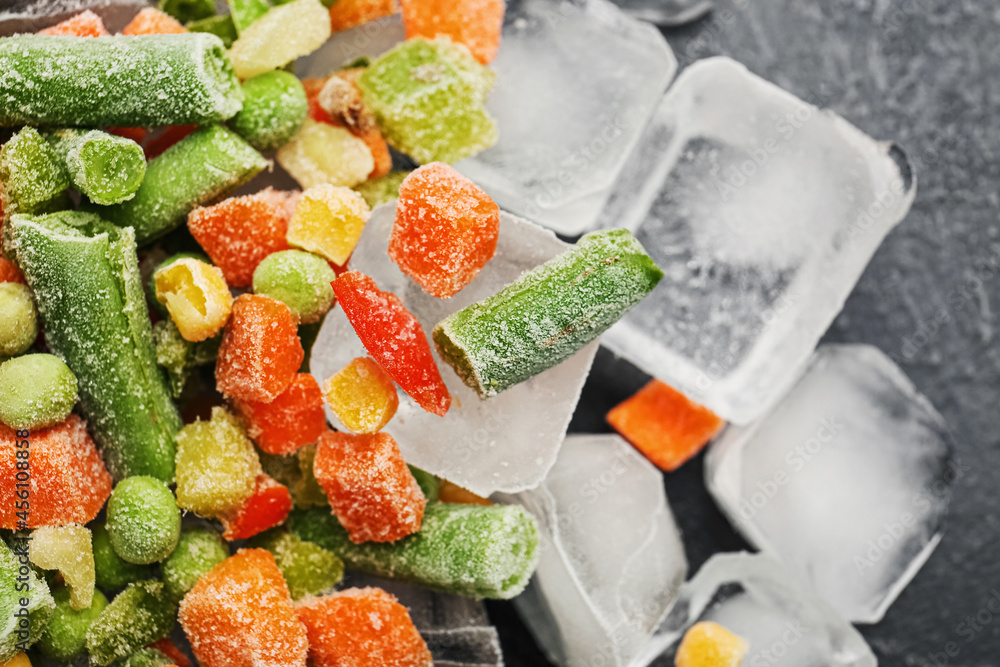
(576, 83)
(612, 559)
(33, 15)
(669, 13)
(506, 443)
(785, 623)
(456, 629)
(762, 211)
(846, 480)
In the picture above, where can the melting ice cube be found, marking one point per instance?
(762, 211)
(612, 559)
(846, 480)
(785, 623)
(576, 83)
(505, 443)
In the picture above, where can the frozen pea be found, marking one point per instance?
(65, 637)
(148, 657)
(18, 319)
(274, 107)
(300, 280)
(140, 614)
(308, 568)
(144, 522)
(197, 552)
(113, 573)
(36, 390)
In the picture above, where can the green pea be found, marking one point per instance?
(36, 390)
(274, 108)
(65, 636)
(144, 522)
(197, 552)
(18, 319)
(299, 279)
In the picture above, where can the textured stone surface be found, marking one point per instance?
(920, 72)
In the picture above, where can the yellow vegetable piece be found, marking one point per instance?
(19, 660)
(362, 395)
(328, 221)
(217, 466)
(196, 296)
(67, 549)
(708, 644)
(284, 33)
(321, 153)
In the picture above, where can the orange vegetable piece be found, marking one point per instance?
(266, 508)
(708, 644)
(260, 352)
(394, 338)
(293, 419)
(362, 395)
(446, 229)
(475, 23)
(664, 424)
(359, 627)
(151, 21)
(370, 488)
(169, 649)
(346, 14)
(239, 232)
(67, 479)
(84, 24)
(9, 273)
(450, 492)
(240, 614)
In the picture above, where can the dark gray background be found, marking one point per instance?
(923, 73)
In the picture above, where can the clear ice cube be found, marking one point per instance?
(368, 40)
(762, 211)
(505, 443)
(576, 83)
(669, 13)
(612, 559)
(846, 480)
(785, 623)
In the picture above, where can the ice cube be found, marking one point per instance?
(669, 13)
(846, 480)
(762, 211)
(785, 623)
(612, 559)
(33, 15)
(576, 83)
(368, 40)
(456, 629)
(502, 444)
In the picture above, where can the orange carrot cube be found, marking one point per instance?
(84, 24)
(266, 508)
(293, 419)
(151, 21)
(475, 23)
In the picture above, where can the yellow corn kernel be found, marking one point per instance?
(67, 549)
(362, 395)
(196, 296)
(321, 153)
(19, 660)
(708, 644)
(328, 221)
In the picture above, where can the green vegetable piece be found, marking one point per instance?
(296, 472)
(189, 10)
(32, 176)
(470, 550)
(245, 12)
(199, 550)
(300, 280)
(148, 657)
(308, 568)
(113, 573)
(548, 314)
(144, 522)
(274, 108)
(21, 625)
(428, 483)
(140, 614)
(36, 390)
(65, 637)
(102, 81)
(220, 26)
(200, 167)
(383, 189)
(181, 357)
(18, 320)
(96, 320)
(428, 97)
(106, 168)
(217, 466)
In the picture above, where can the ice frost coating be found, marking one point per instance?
(128, 81)
(85, 277)
(548, 314)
